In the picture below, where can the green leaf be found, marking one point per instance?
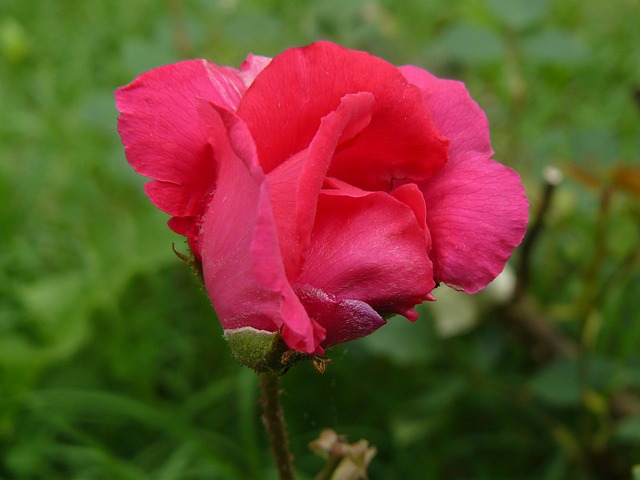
(554, 47)
(558, 384)
(471, 44)
(56, 310)
(519, 14)
(629, 429)
(404, 342)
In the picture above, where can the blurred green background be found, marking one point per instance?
(112, 364)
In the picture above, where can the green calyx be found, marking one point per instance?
(261, 350)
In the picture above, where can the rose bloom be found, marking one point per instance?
(323, 190)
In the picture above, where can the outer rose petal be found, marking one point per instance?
(477, 210)
(164, 136)
(302, 85)
(344, 320)
(455, 113)
(241, 261)
(295, 184)
(370, 248)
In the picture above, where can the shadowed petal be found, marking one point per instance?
(343, 320)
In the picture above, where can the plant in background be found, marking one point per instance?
(321, 192)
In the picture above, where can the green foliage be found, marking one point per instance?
(112, 364)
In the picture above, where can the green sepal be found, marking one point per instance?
(261, 350)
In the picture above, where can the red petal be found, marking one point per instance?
(476, 208)
(295, 184)
(369, 248)
(241, 260)
(302, 85)
(454, 112)
(163, 134)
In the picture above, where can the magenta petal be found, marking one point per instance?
(241, 260)
(456, 114)
(302, 85)
(163, 134)
(371, 248)
(343, 320)
(477, 214)
(295, 184)
(477, 210)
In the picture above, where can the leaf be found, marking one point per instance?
(404, 342)
(519, 14)
(471, 44)
(177, 463)
(423, 417)
(629, 429)
(596, 146)
(554, 47)
(58, 307)
(560, 384)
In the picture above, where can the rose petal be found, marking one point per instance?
(163, 135)
(343, 320)
(252, 66)
(456, 114)
(412, 196)
(477, 210)
(477, 214)
(242, 265)
(295, 184)
(370, 248)
(302, 85)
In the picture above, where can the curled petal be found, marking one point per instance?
(295, 184)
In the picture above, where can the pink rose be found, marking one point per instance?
(323, 189)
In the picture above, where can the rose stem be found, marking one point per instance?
(273, 418)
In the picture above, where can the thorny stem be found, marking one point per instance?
(273, 418)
